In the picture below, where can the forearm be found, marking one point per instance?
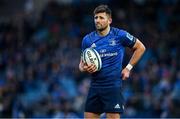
(136, 56)
(139, 50)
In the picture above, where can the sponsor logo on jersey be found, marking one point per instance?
(109, 54)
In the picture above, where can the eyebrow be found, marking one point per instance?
(98, 16)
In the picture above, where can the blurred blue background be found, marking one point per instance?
(40, 44)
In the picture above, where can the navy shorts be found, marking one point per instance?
(100, 100)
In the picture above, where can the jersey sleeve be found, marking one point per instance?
(127, 39)
(85, 43)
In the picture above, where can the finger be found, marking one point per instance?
(88, 68)
(91, 66)
(88, 65)
(123, 76)
(85, 67)
(85, 64)
(92, 70)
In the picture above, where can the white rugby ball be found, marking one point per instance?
(90, 55)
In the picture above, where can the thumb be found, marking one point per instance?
(122, 75)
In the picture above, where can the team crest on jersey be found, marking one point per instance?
(93, 45)
(112, 42)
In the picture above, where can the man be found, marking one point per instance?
(105, 90)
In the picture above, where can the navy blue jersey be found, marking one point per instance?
(111, 49)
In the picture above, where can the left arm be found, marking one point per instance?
(138, 50)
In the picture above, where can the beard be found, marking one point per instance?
(100, 29)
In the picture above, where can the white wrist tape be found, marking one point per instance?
(129, 67)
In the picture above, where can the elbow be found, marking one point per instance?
(140, 48)
(143, 48)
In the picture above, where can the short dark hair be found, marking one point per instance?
(101, 9)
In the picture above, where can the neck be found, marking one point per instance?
(104, 32)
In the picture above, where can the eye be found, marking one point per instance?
(95, 17)
(101, 17)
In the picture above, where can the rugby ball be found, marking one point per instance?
(90, 55)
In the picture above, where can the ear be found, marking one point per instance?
(110, 20)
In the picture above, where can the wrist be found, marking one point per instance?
(129, 67)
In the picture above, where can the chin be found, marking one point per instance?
(100, 29)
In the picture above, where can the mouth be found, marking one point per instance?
(98, 25)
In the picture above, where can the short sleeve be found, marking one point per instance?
(127, 39)
(85, 43)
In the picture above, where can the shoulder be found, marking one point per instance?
(89, 35)
(118, 31)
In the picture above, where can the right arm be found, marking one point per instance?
(83, 67)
